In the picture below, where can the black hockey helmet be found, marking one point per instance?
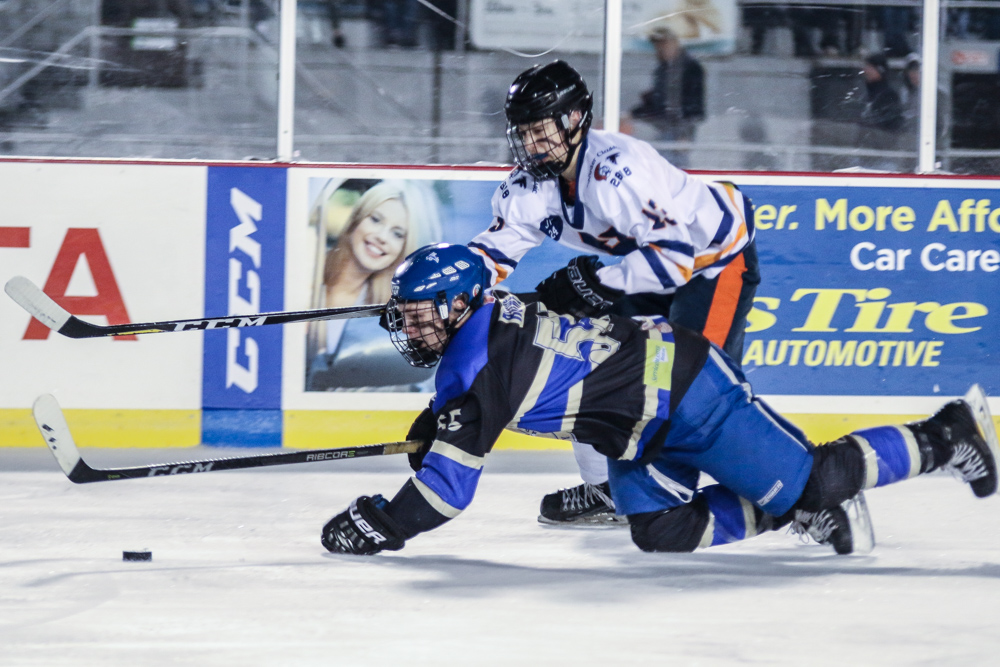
(551, 91)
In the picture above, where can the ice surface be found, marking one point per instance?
(238, 577)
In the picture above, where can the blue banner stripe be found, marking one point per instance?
(244, 274)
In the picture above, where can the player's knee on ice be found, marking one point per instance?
(677, 530)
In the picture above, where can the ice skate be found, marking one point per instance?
(847, 527)
(580, 505)
(966, 428)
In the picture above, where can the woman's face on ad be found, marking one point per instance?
(379, 238)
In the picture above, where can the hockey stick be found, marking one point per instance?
(52, 425)
(41, 306)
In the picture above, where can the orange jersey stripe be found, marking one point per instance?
(683, 270)
(708, 260)
(724, 302)
(499, 270)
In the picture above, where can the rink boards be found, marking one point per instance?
(878, 300)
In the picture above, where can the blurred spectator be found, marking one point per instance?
(883, 108)
(830, 21)
(443, 28)
(981, 23)
(398, 19)
(882, 118)
(896, 25)
(761, 18)
(333, 12)
(909, 94)
(676, 102)
(837, 27)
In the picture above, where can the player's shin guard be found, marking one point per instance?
(950, 440)
(715, 516)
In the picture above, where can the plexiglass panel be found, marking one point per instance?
(776, 86)
(425, 82)
(968, 120)
(138, 78)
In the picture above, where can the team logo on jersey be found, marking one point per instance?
(657, 215)
(522, 181)
(613, 158)
(512, 310)
(552, 226)
(601, 172)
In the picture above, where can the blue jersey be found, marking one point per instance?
(610, 382)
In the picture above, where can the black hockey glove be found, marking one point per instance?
(424, 428)
(363, 529)
(575, 289)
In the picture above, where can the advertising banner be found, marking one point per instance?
(879, 295)
(244, 275)
(113, 244)
(350, 234)
(875, 291)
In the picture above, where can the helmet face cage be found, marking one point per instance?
(552, 135)
(420, 330)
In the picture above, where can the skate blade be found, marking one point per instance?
(862, 533)
(976, 399)
(594, 521)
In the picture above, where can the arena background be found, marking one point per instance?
(878, 298)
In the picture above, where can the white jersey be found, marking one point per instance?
(668, 226)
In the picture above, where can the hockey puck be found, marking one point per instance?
(137, 555)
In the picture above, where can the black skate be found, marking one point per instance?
(584, 504)
(966, 427)
(847, 527)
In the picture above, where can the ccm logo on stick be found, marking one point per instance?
(180, 469)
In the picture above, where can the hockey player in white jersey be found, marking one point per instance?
(686, 246)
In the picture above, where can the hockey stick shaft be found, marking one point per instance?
(52, 425)
(48, 312)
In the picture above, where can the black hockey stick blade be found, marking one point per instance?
(52, 425)
(41, 306)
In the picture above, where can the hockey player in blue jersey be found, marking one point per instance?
(661, 402)
(686, 245)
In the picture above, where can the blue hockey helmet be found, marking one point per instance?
(421, 315)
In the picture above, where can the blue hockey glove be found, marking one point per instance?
(363, 529)
(576, 290)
